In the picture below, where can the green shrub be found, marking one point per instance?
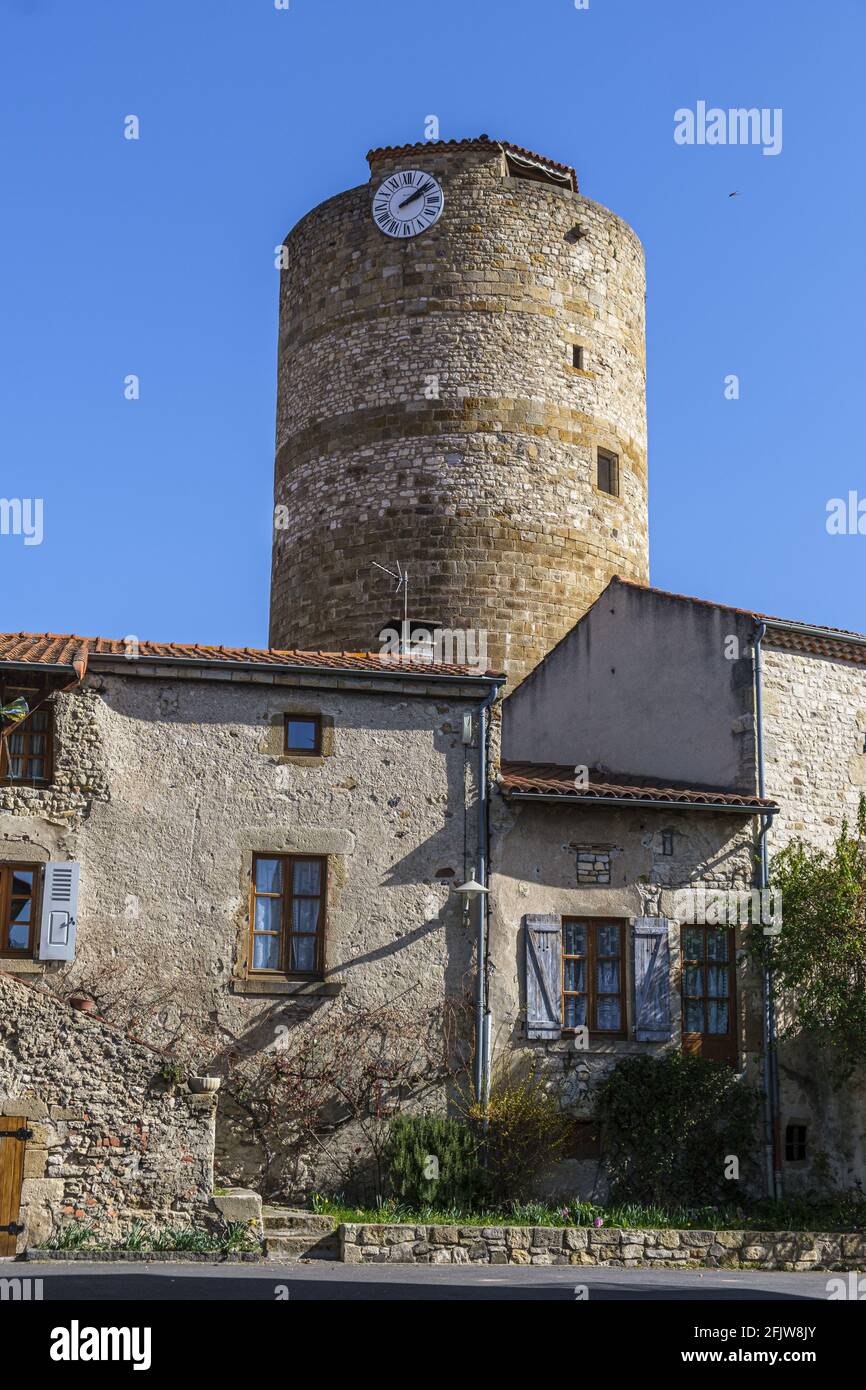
(670, 1126)
(454, 1179)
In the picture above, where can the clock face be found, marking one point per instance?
(407, 203)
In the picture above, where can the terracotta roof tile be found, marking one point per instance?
(555, 779)
(480, 142)
(58, 649)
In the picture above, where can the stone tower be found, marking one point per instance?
(467, 401)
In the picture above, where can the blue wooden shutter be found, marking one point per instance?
(543, 941)
(652, 980)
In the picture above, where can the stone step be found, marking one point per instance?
(285, 1220)
(287, 1248)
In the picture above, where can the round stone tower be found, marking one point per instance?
(463, 397)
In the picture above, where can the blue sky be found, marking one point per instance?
(155, 257)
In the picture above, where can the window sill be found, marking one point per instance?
(280, 984)
(21, 965)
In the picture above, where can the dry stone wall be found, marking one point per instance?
(551, 1245)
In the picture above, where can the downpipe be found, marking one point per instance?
(769, 1060)
(483, 1025)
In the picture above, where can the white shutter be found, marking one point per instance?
(59, 910)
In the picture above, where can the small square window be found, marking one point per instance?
(608, 472)
(577, 356)
(795, 1143)
(303, 734)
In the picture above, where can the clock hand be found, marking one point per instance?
(425, 188)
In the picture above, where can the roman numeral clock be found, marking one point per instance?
(407, 203)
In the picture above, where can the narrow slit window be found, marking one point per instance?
(795, 1143)
(607, 474)
(577, 357)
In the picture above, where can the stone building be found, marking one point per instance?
(213, 860)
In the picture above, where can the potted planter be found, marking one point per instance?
(200, 1085)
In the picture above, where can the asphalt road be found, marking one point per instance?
(274, 1282)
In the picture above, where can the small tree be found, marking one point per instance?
(524, 1130)
(819, 958)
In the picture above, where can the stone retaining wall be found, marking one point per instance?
(550, 1245)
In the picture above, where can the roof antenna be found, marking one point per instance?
(402, 578)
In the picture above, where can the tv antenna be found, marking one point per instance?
(402, 578)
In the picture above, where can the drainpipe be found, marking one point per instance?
(482, 1018)
(772, 1146)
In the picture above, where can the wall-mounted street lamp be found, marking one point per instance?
(469, 891)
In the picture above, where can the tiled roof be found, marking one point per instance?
(56, 649)
(557, 780)
(481, 142)
(836, 642)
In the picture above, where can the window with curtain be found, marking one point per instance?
(593, 976)
(26, 749)
(18, 889)
(287, 914)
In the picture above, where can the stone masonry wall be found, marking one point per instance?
(196, 784)
(815, 732)
(111, 1140)
(550, 1245)
(536, 867)
(483, 485)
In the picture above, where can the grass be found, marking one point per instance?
(840, 1214)
(231, 1237)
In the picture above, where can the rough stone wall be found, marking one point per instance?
(79, 766)
(815, 767)
(197, 784)
(536, 869)
(487, 491)
(552, 1245)
(814, 737)
(110, 1140)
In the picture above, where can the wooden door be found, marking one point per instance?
(12, 1140)
(709, 992)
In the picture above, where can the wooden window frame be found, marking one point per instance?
(40, 698)
(7, 872)
(316, 750)
(718, 1047)
(287, 896)
(592, 925)
(613, 460)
